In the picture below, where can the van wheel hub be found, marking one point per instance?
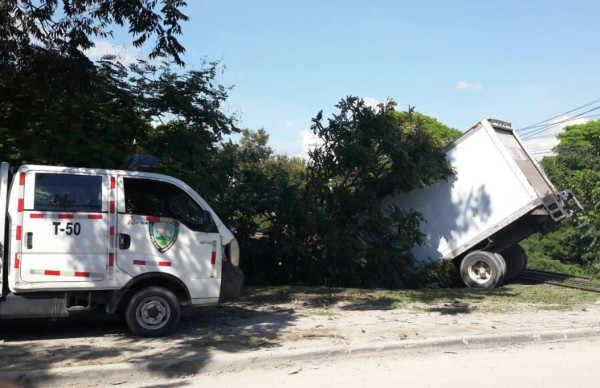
(153, 313)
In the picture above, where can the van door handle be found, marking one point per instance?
(29, 240)
(124, 241)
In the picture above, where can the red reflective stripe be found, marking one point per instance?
(164, 264)
(213, 258)
(36, 215)
(111, 259)
(112, 183)
(112, 230)
(19, 232)
(112, 206)
(82, 274)
(139, 262)
(65, 216)
(21, 205)
(51, 273)
(17, 261)
(152, 219)
(22, 179)
(94, 216)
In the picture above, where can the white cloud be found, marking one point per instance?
(466, 85)
(307, 141)
(125, 54)
(558, 125)
(542, 146)
(371, 102)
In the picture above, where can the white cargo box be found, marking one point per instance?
(496, 183)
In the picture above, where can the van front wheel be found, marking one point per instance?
(152, 312)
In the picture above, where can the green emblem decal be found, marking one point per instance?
(163, 234)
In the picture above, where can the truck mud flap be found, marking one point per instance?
(33, 306)
(232, 282)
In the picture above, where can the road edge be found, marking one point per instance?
(112, 374)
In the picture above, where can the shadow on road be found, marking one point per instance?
(96, 338)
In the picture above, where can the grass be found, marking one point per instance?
(327, 312)
(318, 300)
(539, 294)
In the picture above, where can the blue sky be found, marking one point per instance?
(458, 61)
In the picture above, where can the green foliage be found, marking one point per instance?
(57, 107)
(188, 122)
(264, 205)
(81, 115)
(365, 155)
(555, 252)
(69, 26)
(321, 222)
(98, 115)
(438, 274)
(441, 133)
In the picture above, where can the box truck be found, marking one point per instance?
(497, 197)
(139, 244)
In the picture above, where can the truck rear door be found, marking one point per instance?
(526, 164)
(3, 205)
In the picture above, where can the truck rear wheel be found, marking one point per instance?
(152, 312)
(516, 261)
(481, 269)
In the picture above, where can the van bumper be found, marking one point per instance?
(232, 282)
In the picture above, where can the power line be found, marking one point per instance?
(532, 132)
(533, 128)
(560, 115)
(551, 149)
(535, 132)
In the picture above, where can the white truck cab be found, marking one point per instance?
(138, 244)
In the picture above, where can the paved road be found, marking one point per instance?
(561, 364)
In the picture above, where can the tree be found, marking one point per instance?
(82, 115)
(367, 154)
(188, 122)
(69, 26)
(265, 206)
(99, 115)
(57, 107)
(441, 133)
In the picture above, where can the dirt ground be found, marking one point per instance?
(272, 321)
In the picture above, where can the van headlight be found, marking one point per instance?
(234, 253)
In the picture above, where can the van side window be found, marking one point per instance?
(161, 199)
(67, 193)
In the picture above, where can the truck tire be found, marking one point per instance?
(481, 269)
(516, 261)
(503, 267)
(152, 312)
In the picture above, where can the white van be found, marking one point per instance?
(138, 244)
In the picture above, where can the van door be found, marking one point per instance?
(159, 228)
(65, 227)
(3, 205)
